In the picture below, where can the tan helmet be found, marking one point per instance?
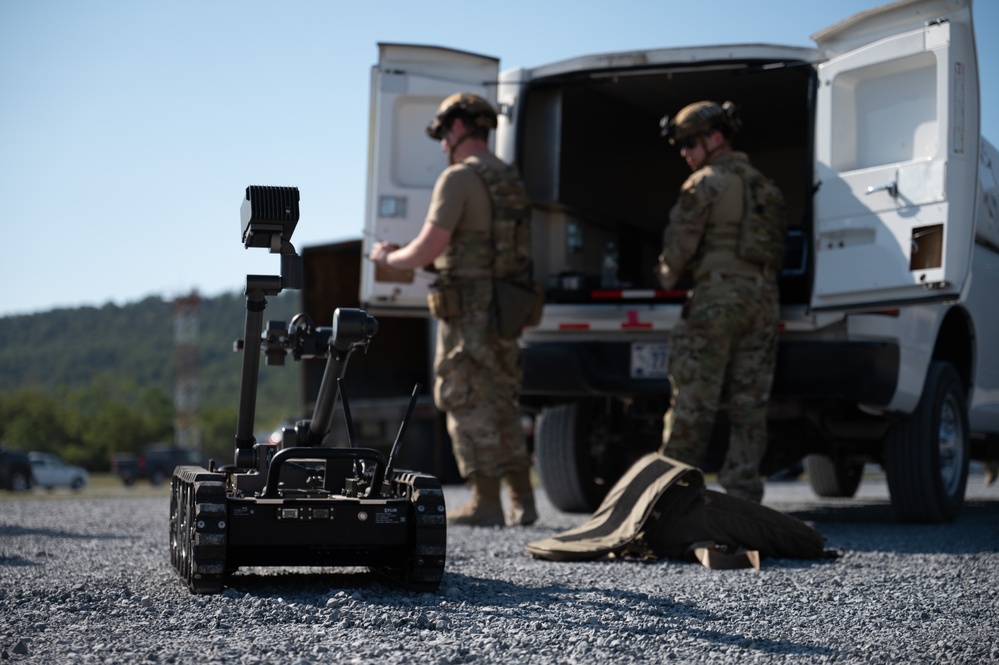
(700, 118)
(468, 104)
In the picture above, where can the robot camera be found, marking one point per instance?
(269, 216)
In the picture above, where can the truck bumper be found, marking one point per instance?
(858, 371)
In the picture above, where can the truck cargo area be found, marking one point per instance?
(598, 172)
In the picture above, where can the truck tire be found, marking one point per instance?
(927, 453)
(833, 477)
(567, 451)
(20, 481)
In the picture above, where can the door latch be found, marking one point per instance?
(891, 188)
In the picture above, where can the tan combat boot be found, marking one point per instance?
(991, 470)
(522, 509)
(484, 508)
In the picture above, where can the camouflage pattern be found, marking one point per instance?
(763, 230)
(477, 383)
(505, 250)
(723, 351)
(706, 223)
(511, 220)
(722, 356)
(478, 375)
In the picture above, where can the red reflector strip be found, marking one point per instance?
(574, 326)
(633, 323)
(636, 294)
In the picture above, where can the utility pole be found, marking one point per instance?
(186, 361)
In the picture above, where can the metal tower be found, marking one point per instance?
(187, 392)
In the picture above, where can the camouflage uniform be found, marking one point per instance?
(723, 351)
(478, 375)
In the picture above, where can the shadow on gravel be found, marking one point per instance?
(874, 528)
(15, 531)
(539, 604)
(9, 532)
(532, 604)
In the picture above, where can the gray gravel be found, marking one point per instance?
(89, 581)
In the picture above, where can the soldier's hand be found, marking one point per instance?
(380, 251)
(667, 278)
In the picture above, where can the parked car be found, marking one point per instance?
(156, 464)
(52, 471)
(15, 470)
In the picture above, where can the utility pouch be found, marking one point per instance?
(764, 225)
(516, 305)
(444, 302)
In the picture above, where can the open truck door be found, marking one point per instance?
(407, 85)
(897, 129)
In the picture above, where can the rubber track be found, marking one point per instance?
(202, 495)
(424, 568)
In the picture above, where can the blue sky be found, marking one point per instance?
(129, 128)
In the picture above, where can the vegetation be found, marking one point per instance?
(86, 383)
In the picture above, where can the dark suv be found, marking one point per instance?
(156, 464)
(15, 470)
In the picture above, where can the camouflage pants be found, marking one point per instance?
(722, 355)
(477, 383)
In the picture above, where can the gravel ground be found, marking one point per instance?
(88, 581)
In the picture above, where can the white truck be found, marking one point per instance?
(888, 347)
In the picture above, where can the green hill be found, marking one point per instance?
(89, 381)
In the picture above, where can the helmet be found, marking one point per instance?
(700, 118)
(466, 104)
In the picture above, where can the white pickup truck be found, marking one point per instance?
(888, 348)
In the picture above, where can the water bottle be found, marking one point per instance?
(608, 279)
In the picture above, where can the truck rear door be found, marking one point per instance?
(897, 125)
(407, 85)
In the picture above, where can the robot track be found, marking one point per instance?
(198, 528)
(423, 567)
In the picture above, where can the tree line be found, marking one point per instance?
(85, 383)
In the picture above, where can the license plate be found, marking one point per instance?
(649, 361)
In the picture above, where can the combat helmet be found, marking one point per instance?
(476, 109)
(700, 118)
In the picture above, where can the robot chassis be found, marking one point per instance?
(301, 503)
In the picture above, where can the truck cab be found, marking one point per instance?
(872, 136)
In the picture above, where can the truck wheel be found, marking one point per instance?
(833, 477)
(927, 453)
(20, 481)
(569, 456)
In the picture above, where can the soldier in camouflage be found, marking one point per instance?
(722, 352)
(469, 236)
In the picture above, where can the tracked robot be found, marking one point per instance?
(300, 502)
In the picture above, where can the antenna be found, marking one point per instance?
(402, 429)
(346, 414)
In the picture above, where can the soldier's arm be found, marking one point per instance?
(446, 205)
(687, 221)
(426, 247)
